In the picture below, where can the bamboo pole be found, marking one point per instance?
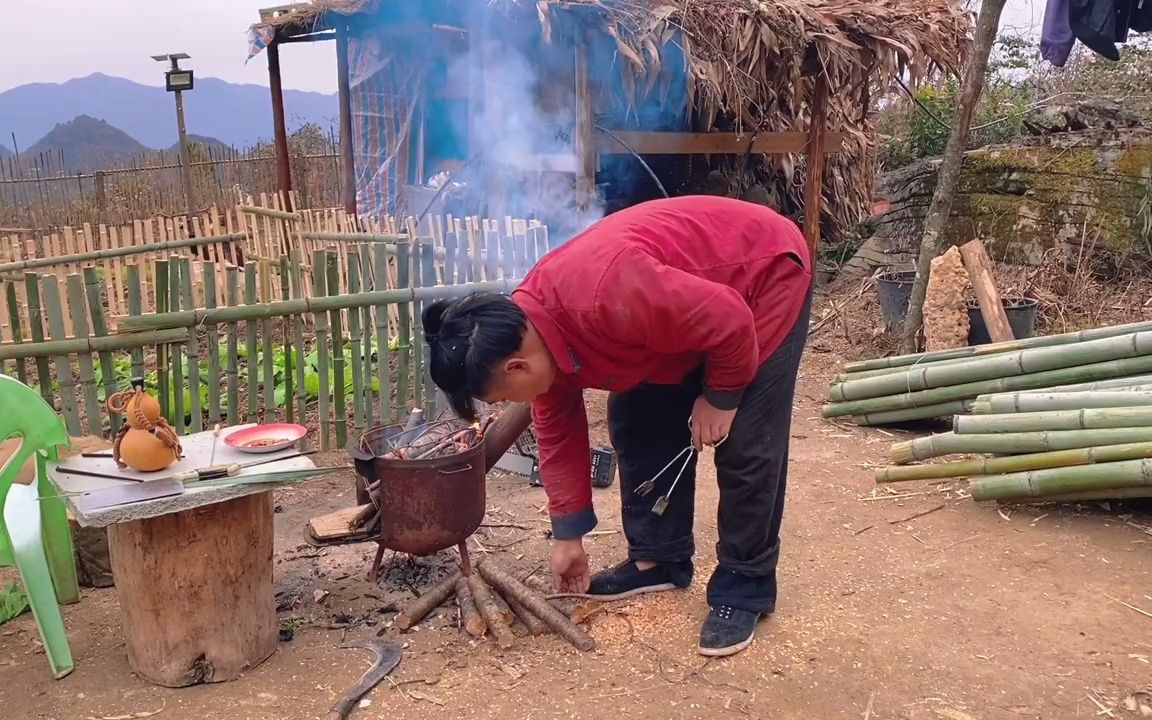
(336, 237)
(52, 308)
(339, 387)
(315, 304)
(93, 410)
(1015, 463)
(1126, 493)
(208, 270)
(1017, 443)
(1132, 382)
(965, 391)
(232, 368)
(1023, 362)
(1086, 419)
(269, 213)
(996, 348)
(319, 288)
(189, 300)
(1040, 402)
(297, 282)
(36, 330)
(251, 339)
(1064, 480)
(37, 263)
(928, 412)
(355, 331)
(175, 267)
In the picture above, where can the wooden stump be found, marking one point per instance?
(195, 591)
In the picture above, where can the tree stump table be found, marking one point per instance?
(193, 571)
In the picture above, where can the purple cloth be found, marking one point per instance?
(1056, 38)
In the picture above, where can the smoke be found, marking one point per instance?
(525, 124)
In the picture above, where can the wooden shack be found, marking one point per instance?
(566, 109)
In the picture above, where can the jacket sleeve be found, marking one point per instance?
(565, 461)
(644, 302)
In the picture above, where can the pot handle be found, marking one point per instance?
(466, 468)
(356, 452)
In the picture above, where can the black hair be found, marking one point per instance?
(468, 338)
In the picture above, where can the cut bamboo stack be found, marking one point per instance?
(949, 382)
(1056, 418)
(1040, 447)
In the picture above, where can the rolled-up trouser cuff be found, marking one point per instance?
(680, 550)
(723, 399)
(763, 565)
(574, 525)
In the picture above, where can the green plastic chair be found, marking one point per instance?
(34, 533)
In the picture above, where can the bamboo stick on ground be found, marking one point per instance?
(1110, 369)
(511, 587)
(1014, 443)
(482, 595)
(1065, 480)
(470, 618)
(419, 608)
(1022, 362)
(1015, 463)
(995, 348)
(1051, 401)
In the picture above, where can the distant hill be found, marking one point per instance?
(198, 140)
(5, 152)
(88, 144)
(232, 114)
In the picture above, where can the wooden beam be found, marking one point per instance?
(309, 38)
(979, 267)
(678, 143)
(347, 159)
(279, 127)
(585, 144)
(814, 185)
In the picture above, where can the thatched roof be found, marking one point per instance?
(749, 61)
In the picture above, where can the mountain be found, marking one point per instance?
(239, 115)
(5, 152)
(199, 141)
(88, 144)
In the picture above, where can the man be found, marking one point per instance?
(693, 313)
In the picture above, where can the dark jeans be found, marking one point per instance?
(649, 426)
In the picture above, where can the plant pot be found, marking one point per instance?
(894, 289)
(1021, 314)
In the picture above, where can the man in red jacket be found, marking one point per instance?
(693, 313)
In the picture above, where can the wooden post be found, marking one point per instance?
(585, 140)
(979, 267)
(348, 186)
(814, 186)
(280, 129)
(195, 591)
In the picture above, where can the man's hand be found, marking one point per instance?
(710, 425)
(570, 566)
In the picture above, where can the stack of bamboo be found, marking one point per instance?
(1041, 447)
(1058, 418)
(948, 382)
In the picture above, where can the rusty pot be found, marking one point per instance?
(425, 505)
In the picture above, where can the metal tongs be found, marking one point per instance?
(646, 487)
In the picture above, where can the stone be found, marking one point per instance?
(946, 321)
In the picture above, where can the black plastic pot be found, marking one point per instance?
(1021, 314)
(894, 289)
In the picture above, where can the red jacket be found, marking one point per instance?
(647, 295)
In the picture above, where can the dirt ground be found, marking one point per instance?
(964, 613)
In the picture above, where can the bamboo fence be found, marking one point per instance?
(315, 326)
(259, 231)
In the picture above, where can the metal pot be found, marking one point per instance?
(425, 505)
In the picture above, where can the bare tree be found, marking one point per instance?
(940, 209)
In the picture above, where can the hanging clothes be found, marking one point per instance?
(1056, 38)
(1141, 21)
(1100, 24)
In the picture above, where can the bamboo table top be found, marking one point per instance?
(197, 454)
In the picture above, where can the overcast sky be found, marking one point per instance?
(56, 40)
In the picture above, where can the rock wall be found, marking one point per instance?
(1057, 193)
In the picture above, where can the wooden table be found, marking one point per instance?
(193, 571)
